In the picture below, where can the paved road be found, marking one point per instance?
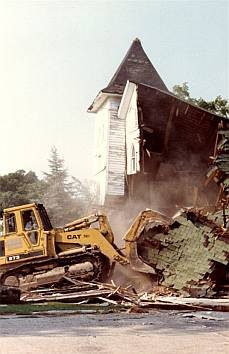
(157, 333)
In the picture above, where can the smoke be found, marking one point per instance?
(134, 281)
(179, 183)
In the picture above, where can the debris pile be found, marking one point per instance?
(190, 254)
(83, 292)
(120, 298)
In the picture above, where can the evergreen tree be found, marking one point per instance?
(56, 197)
(66, 198)
(61, 199)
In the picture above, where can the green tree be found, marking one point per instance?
(182, 91)
(19, 188)
(56, 196)
(218, 106)
(64, 197)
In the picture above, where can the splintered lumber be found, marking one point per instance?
(58, 296)
(106, 299)
(179, 303)
(121, 296)
(190, 255)
(206, 304)
(82, 291)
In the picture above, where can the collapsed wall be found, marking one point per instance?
(190, 254)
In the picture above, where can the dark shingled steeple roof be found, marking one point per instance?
(135, 67)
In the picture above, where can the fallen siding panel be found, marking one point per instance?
(189, 254)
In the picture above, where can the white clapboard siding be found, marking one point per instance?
(116, 151)
(109, 156)
(100, 181)
(100, 152)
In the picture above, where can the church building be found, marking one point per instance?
(151, 147)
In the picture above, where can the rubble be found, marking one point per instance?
(120, 298)
(190, 254)
(82, 291)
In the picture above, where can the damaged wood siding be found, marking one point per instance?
(116, 151)
(189, 253)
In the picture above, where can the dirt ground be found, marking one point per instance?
(158, 332)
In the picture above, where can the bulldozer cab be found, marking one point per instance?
(24, 233)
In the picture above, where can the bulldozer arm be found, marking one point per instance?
(103, 238)
(68, 241)
(133, 234)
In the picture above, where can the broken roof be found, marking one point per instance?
(178, 121)
(136, 67)
(177, 127)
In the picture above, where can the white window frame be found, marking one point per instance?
(133, 159)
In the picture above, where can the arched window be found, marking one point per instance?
(133, 159)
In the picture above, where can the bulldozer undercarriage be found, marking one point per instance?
(90, 266)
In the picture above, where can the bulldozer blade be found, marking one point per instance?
(145, 218)
(136, 263)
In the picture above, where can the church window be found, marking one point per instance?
(133, 159)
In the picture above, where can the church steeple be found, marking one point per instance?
(135, 67)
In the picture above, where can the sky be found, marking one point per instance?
(56, 55)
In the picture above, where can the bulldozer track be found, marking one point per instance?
(101, 267)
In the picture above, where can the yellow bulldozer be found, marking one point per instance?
(33, 253)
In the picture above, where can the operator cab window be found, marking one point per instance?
(10, 223)
(30, 225)
(29, 220)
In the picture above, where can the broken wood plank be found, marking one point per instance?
(71, 296)
(105, 299)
